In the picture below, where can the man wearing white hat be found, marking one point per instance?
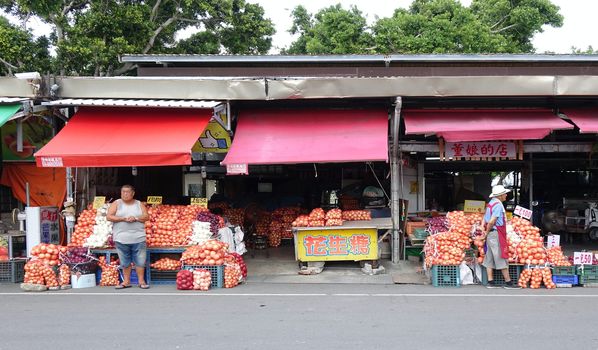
(495, 233)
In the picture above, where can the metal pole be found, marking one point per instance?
(395, 207)
(531, 183)
(27, 192)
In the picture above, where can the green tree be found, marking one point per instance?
(517, 20)
(332, 30)
(428, 26)
(89, 35)
(437, 26)
(19, 52)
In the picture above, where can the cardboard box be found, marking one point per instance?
(412, 225)
(83, 281)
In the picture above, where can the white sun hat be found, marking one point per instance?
(498, 190)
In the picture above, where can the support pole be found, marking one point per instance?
(531, 184)
(398, 236)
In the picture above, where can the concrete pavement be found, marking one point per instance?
(260, 315)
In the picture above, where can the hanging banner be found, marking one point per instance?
(214, 138)
(478, 150)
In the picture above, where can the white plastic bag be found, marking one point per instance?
(466, 274)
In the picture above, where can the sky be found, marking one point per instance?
(579, 28)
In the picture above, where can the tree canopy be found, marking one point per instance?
(89, 35)
(428, 26)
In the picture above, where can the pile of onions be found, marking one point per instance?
(334, 217)
(531, 251)
(47, 253)
(101, 230)
(64, 275)
(83, 228)
(202, 279)
(535, 277)
(184, 280)
(166, 264)
(301, 221)
(109, 272)
(235, 216)
(275, 233)
(201, 232)
(446, 248)
(513, 240)
(357, 215)
(37, 272)
(556, 257)
(211, 252)
(286, 216)
(241, 262)
(524, 228)
(437, 224)
(232, 275)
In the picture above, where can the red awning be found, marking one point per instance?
(586, 119)
(457, 125)
(112, 137)
(309, 136)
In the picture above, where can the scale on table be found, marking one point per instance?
(329, 199)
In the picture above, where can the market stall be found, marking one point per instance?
(453, 252)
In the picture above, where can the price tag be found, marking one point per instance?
(583, 258)
(98, 201)
(553, 241)
(202, 202)
(154, 199)
(524, 213)
(474, 206)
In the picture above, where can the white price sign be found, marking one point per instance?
(583, 258)
(524, 213)
(553, 241)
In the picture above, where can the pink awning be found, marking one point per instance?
(456, 125)
(309, 136)
(586, 119)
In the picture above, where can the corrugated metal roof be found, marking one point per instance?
(161, 59)
(12, 99)
(133, 103)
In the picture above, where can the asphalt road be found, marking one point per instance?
(300, 316)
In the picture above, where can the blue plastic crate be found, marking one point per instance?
(12, 271)
(514, 272)
(134, 279)
(217, 272)
(565, 279)
(446, 276)
(163, 277)
(564, 270)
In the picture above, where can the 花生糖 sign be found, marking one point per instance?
(337, 245)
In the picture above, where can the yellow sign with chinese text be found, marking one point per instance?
(98, 201)
(202, 202)
(336, 245)
(474, 206)
(154, 199)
